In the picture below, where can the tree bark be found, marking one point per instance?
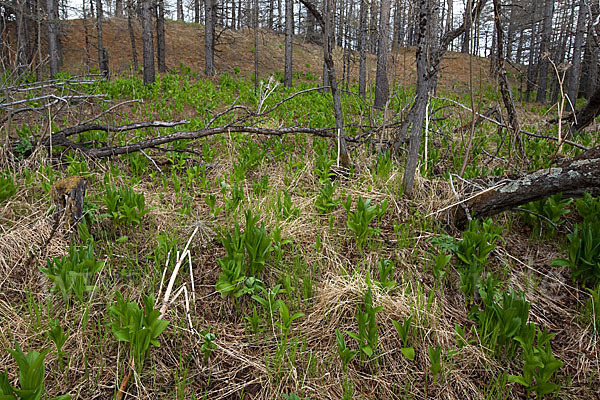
(255, 46)
(179, 10)
(362, 48)
(147, 42)
(130, 11)
(382, 89)
(118, 8)
(209, 37)
(160, 37)
(572, 178)
(544, 46)
(289, 15)
(325, 24)
(531, 67)
(102, 53)
(573, 77)
(52, 8)
(23, 48)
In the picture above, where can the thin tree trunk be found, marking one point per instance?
(197, 11)
(147, 42)
(130, 10)
(373, 28)
(255, 46)
(102, 53)
(544, 46)
(289, 15)
(325, 23)
(362, 48)
(209, 37)
(160, 37)
(467, 37)
(23, 50)
(531, 67)
(573, 77)
(52, 8)
(118, 8)
(382, 90)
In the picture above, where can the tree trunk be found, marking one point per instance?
(118, 8)
(362, 48)
(52, 8)
(147, 42)
(197, 11)
(289, 15)
(23, 49)
(467, 36)
(544, 46)
(373, 28)
(325, 23)
(102, 54)
(209, 37)
(160, 37)
(130, 11)
(531, 67)
(382, 90)
(573, 77)
(572, 178)
(255, 46)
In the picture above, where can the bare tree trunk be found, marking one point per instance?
(531, 67)
(325, 24)
(147, 42)
(255, 46)
(160, 37)
(118, 8)
(573, 77)
(179, 7)
(23, 49)
(289, 15)
(102, 54)
(130, 11)
(52, 8)
(544, 45)
(373, 27)
(467, 36)
(362, 48)
(382, 90)
(197, 11)
(507, 96)
(209, 37)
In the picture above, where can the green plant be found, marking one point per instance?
(546, 212)
(345, 353)
(367, 335)
(269, 301)
(286, 318)
(254, 320)
(285, 206)
(237, 195)
(124, 206)
(360, 219)
(593, 307)
(539, 366)
(246, 256)
(208, 345)
(386, 274)
(73, 273)
(325, 202)
(7, 186)
(435, 360)
(59, 337)
(211, 201)
(438, 267)
(588, 207)
(140, 327)
(583, 253)
(403, 330)
(31, 377)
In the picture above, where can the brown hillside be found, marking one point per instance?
(185, 45)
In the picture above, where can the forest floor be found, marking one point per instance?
(295, 282)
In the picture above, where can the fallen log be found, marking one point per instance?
(572, 178)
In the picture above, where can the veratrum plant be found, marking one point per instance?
(138, 327)
(325, 202)
(367, 335)
(73, 273)
(540, 365)
(584, 253)
(7, 187)
(345, 353)
(403, 328)
(360, 219)
(553, 208)
(246, 256)
(31, 377)
(124, 206)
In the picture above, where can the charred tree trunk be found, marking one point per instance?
(197, 11)
(544, 46)
(147, 42)
(179, 10)
(160, 37)
(289, 15)
(382, 89)
(23, 48)
(572, 178)
(325, 24)
(573, 77)
(209, 37)
(130, 11)
(362, 48)
(52, 8)
(102, 53)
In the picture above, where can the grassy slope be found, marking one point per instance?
(328, 270)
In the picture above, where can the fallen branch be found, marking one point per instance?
(572, 178)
